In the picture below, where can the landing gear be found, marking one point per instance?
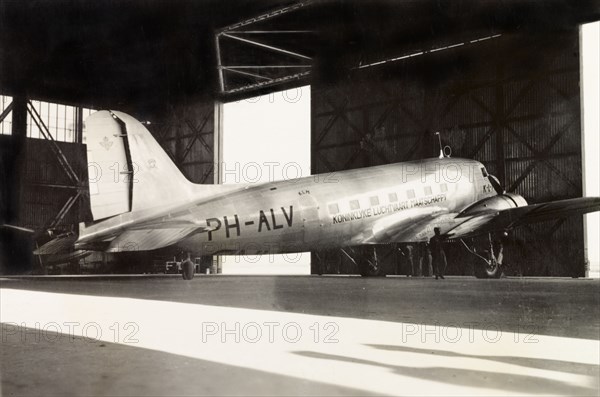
(489, 263)
(188, 268)
(365, 259)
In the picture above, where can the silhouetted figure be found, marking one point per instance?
(438, 255)
(410, 249)
(425, 259)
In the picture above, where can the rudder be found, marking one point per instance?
(128, 170)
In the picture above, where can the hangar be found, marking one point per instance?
(502, 82)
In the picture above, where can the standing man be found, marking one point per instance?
(410, 271)
(438, 254)
(425, 259)
(407, 251)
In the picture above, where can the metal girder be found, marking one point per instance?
(57, 186)
(264, 66)
(6, 111)
(540, 156)
(197, 137)
(275, 81)
(208, 172)
(236, 32)
(267, 46)
(63, 211)
(340, 113)
(64, 163)
(185, 136)
(327, 163)
(264, 17)
(258, 76)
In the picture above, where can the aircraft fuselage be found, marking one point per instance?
(334, 210)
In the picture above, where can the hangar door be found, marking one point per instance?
(266, 138)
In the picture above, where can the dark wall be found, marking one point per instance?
(186, 132)
(45, 186)
(511, 102)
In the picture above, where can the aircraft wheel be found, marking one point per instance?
(187, 269)
(488, 269)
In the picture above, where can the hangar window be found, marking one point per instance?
(334, 209)
(374, 200)
(59, 120)
(410, 194)
(63, 122)
(428, 191)
(443, 188)
(5, 118)
(354, 205)
(85, 113)
(393, 197)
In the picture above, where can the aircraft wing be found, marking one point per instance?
(416, 224)
(406, 226)
(496, 221)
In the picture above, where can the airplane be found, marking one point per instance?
(141, 201)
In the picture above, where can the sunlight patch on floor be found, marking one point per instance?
(373, 356)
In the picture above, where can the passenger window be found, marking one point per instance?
(410, 194)
(428, 191)
(374, 200)
(354, 205)
(484, 172)
(334, 209)
(444, 188)
(393, 197)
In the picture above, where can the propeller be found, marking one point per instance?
(496, 184)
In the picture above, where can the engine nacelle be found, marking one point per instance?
(494, 203)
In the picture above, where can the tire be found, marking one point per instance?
(187, 269)
(489, 269)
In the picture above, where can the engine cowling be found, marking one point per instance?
(494, 203)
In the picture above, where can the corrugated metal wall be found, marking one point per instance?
(513, 105)
(186, 133)
(47, 188)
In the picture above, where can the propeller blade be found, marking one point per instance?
(496, 184)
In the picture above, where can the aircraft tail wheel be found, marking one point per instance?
(187, 269)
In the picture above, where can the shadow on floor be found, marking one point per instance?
(525, 384)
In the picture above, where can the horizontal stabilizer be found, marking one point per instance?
(17, 228)
(149, 239)
(61, 245)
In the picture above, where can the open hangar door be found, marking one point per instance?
(266, 139)
(511, 101)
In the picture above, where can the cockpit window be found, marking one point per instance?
(484, 172)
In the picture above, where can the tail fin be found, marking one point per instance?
(128, 170)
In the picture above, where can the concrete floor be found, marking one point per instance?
(297, 335)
